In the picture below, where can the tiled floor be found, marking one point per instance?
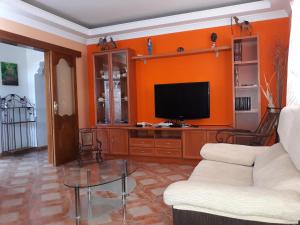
(32, 193)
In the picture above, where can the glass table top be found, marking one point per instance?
(98, 173)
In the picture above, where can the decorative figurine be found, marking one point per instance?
(102, 43)
(106, 45)
(180, 49)
(149, 46)
(245, 26)
(113, 43)
(213, 38)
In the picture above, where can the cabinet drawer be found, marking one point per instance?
(141, 142)
(168, 143)
(141, 151)
(163, 152)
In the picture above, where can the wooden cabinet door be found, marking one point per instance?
(102, 135)
(192, 143)
(211, 137)
(118, 141)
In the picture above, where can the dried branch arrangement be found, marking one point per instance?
(280, 69)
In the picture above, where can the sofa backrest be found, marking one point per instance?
(274, 169)
(279, 168)
(289, 132)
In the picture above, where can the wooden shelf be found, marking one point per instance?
(245, 62)
(185, 53)
(247, 111)
(246, 87)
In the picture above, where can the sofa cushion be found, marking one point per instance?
(266, 157)
(224, 173)
(274, 169)
(289, 132)
(242, 202)
(232, 153)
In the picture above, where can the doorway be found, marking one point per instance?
(22, 93)
(59, 66)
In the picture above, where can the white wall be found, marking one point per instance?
(13, 54)
(293, 81)
(33, 62)
(40, 93)
(28, 62)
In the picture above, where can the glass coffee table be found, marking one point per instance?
(110, 175)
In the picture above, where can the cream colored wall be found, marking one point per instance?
(82, 82)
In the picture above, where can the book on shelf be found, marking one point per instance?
(236, 77)
(243, 103)
(237, 51)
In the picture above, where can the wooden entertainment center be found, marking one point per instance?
(179, 143)
(115, 103)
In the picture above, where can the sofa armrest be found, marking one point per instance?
(232, 153)
(234, 200)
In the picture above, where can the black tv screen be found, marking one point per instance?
(182, 100)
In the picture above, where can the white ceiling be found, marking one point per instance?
(99, 13)
(86, 21)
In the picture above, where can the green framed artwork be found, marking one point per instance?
(9, 73)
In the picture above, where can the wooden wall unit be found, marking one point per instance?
(102, 135)
(176, 143)
(118, 141)
(193, 142)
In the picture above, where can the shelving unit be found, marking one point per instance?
(246, 82)
(185, 53)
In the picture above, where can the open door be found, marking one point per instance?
(64, 107)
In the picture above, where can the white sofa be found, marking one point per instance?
(237, 184)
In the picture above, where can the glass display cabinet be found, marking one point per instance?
(114, 87)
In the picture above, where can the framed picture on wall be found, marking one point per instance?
(9, 73)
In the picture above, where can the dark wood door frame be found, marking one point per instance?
(27, 42)
(47, 48)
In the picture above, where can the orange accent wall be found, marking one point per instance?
(202, 67)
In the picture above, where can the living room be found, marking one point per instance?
(236, 55)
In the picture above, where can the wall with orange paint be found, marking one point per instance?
(82, 84)
(202, 67)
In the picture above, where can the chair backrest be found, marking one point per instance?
(267, 126)
(88, 137)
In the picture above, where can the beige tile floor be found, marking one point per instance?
(32, 193)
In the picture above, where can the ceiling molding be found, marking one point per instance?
(193, 26)
(19, 18)
(32, 16)
(182, 18)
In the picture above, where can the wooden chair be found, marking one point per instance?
(89, 144)
(259, 137)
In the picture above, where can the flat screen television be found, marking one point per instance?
(182, 100)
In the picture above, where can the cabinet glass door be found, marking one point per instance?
(102, 88)
(120, 92)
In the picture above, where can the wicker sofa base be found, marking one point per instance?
(186, 217)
